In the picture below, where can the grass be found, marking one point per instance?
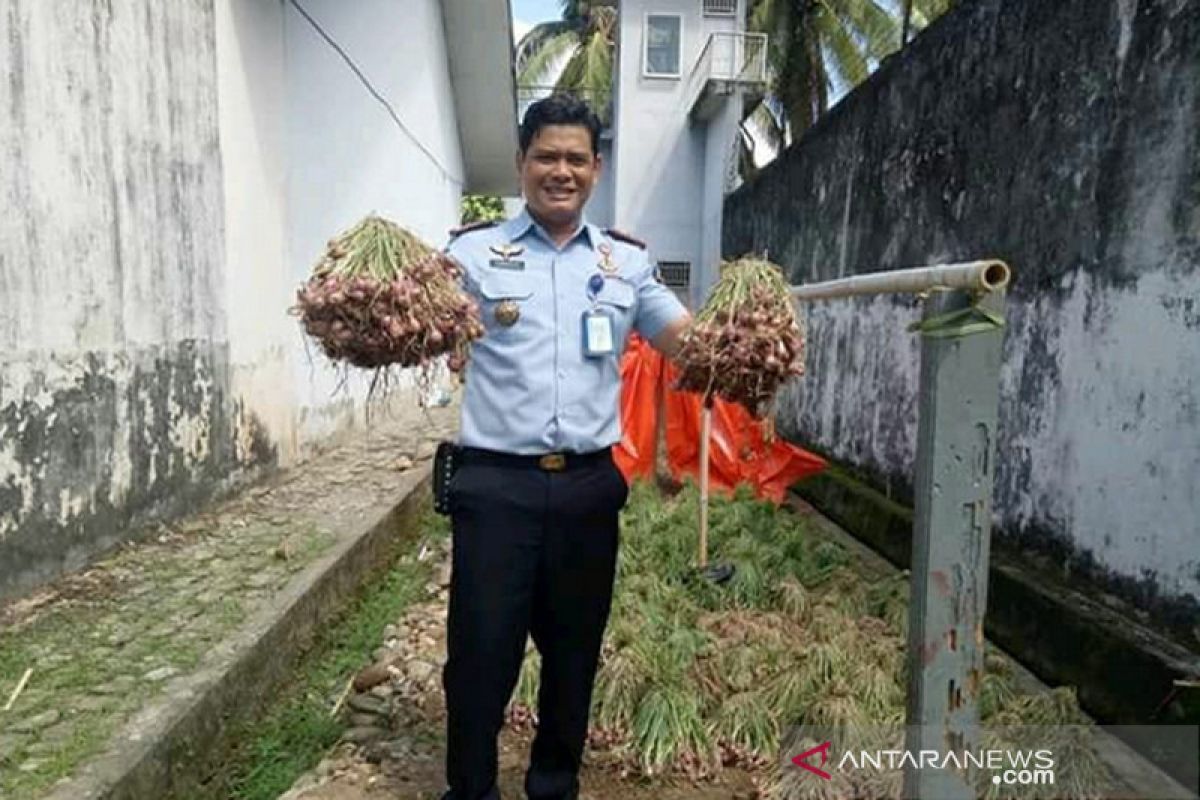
(274, 750)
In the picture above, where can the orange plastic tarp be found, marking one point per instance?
(739, 452)
(641, 369)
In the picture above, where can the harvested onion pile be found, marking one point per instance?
(381, 297)
(746, 341)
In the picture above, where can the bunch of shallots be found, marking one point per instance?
(746, 341)
(381, 297)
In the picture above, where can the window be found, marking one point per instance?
(720, 7)
(675, 274)
(664, 37)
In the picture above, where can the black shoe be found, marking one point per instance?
(494, 794)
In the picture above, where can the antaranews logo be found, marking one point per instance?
(802, 760)
(1008, 767)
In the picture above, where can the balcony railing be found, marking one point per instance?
(729, 57)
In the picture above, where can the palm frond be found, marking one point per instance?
(535, 40)
(589, 72)
(875, 32)
(845, 64)
(537, 70)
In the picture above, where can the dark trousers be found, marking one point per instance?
(534, 552)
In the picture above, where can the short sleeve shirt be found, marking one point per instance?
(530, 388)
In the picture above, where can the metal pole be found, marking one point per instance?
(981, 276)
(956, 441)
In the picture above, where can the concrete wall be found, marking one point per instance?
(171, 172)
(720, 138)
(1063, 138)
(114, 364)
(660, 158)
(252, 83)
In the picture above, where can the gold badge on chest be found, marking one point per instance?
(507, 313)
(606, 265)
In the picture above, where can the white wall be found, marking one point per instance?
(599, 209)
(252, 82)
(720, 138)
(346, 156)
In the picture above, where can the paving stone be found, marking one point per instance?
(95, 703)
(261, 580)
(120, 685)
(57, 734)
(362, 735)
(368, 704)
(160, 674)
(37, 722)
(120, 637)
(202, 554)
(9, 744)
(172, 586)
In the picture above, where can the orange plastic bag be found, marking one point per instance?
(738, 451)
(641, 368)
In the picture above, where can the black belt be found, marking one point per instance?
(549, 462)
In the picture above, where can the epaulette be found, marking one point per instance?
(621, 236)
(472, 226)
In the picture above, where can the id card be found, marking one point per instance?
(597, 334)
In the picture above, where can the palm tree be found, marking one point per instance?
(819, 48)
(584, 39)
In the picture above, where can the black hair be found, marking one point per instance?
(559, 109)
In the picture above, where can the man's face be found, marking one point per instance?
(558, 171)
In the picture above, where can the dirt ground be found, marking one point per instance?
(417, 775)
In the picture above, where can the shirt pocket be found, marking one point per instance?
(616, 294)
(619, 300)
(503, 291)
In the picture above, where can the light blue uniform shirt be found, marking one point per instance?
(529, 387)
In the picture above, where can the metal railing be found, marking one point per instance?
(729, 56)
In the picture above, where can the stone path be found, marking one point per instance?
(104, 642)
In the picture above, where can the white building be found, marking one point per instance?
(686, 71)
(171, 172)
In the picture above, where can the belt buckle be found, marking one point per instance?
(553, 462)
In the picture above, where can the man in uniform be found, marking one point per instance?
(535, 502)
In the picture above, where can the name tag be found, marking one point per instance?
(515, 266)
(598, 337)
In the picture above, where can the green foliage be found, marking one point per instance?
(586, 39)
(481, 208)
(819, 50)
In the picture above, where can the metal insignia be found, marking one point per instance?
(507, 251)
(606, 263)
(507, 312)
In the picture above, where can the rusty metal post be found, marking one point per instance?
(956, 443)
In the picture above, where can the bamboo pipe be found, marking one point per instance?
(705, 434)
(980, 276)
